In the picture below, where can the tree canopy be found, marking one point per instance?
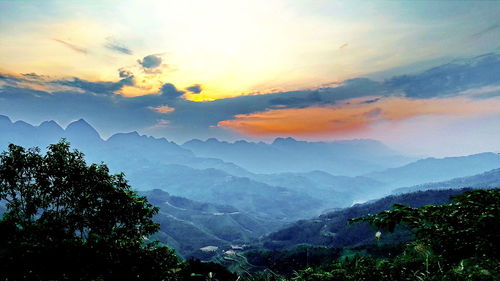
(455, 241)
(467, 227)
(66, 220)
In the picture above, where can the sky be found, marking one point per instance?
(421, 76)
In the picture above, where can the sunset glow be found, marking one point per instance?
(254, 69)
(232, 48)
(351, 116)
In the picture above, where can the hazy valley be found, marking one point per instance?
(211, 196)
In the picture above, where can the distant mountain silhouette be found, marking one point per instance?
(437, 169)
(489, 179)
(81, 132)
(353, 157)
(297, 179)
(336, 191)
(151, 163)
(83, 136)
(217, 194)
(218, 187)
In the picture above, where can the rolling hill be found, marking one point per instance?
(436, 170)
(489, 179)
(190, 226)
(333, 230)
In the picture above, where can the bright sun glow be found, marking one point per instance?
(229, 47)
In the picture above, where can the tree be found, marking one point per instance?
(458, 241)
(66, 220)
(467, 227)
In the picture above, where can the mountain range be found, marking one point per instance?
(214, 194)
(348, 158)
(151, 163)
(260, 178)
(489, 179)
(436, 170)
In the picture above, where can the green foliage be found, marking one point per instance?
(286, 261)
(66, 220)
(194, 270)
(333, 230)
(468, 227)
(262, 276)
(454, 242)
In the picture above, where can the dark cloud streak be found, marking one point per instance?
(196, 89)
(71, 46)
(118, 48)
(489, 29)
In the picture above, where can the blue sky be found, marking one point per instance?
(258, 69)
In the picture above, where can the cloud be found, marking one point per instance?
(373, 113)
(115, 46)
(162, 109)
(196, 89)
(489, 29)
(72, 46)
(127, 79)
(151, 61)
(359, 103)
(352, 115)
(482, 92)
(124, 73)
(35, 82)
(310, 98)
(169, 91)
(449, 79)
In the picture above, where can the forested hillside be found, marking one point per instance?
(333, 229)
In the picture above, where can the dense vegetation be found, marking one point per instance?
(455, 241)
(66, 220)
(333, 230)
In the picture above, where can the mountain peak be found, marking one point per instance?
(193, 142)
(79, 122)
(51, 125)
(288, 140)
(82, 128)
(131, 134)
(22, 124)
(5, 120)
(120, 136)
(212, 140)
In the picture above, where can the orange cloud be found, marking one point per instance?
(352, 116)
(163, 109)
